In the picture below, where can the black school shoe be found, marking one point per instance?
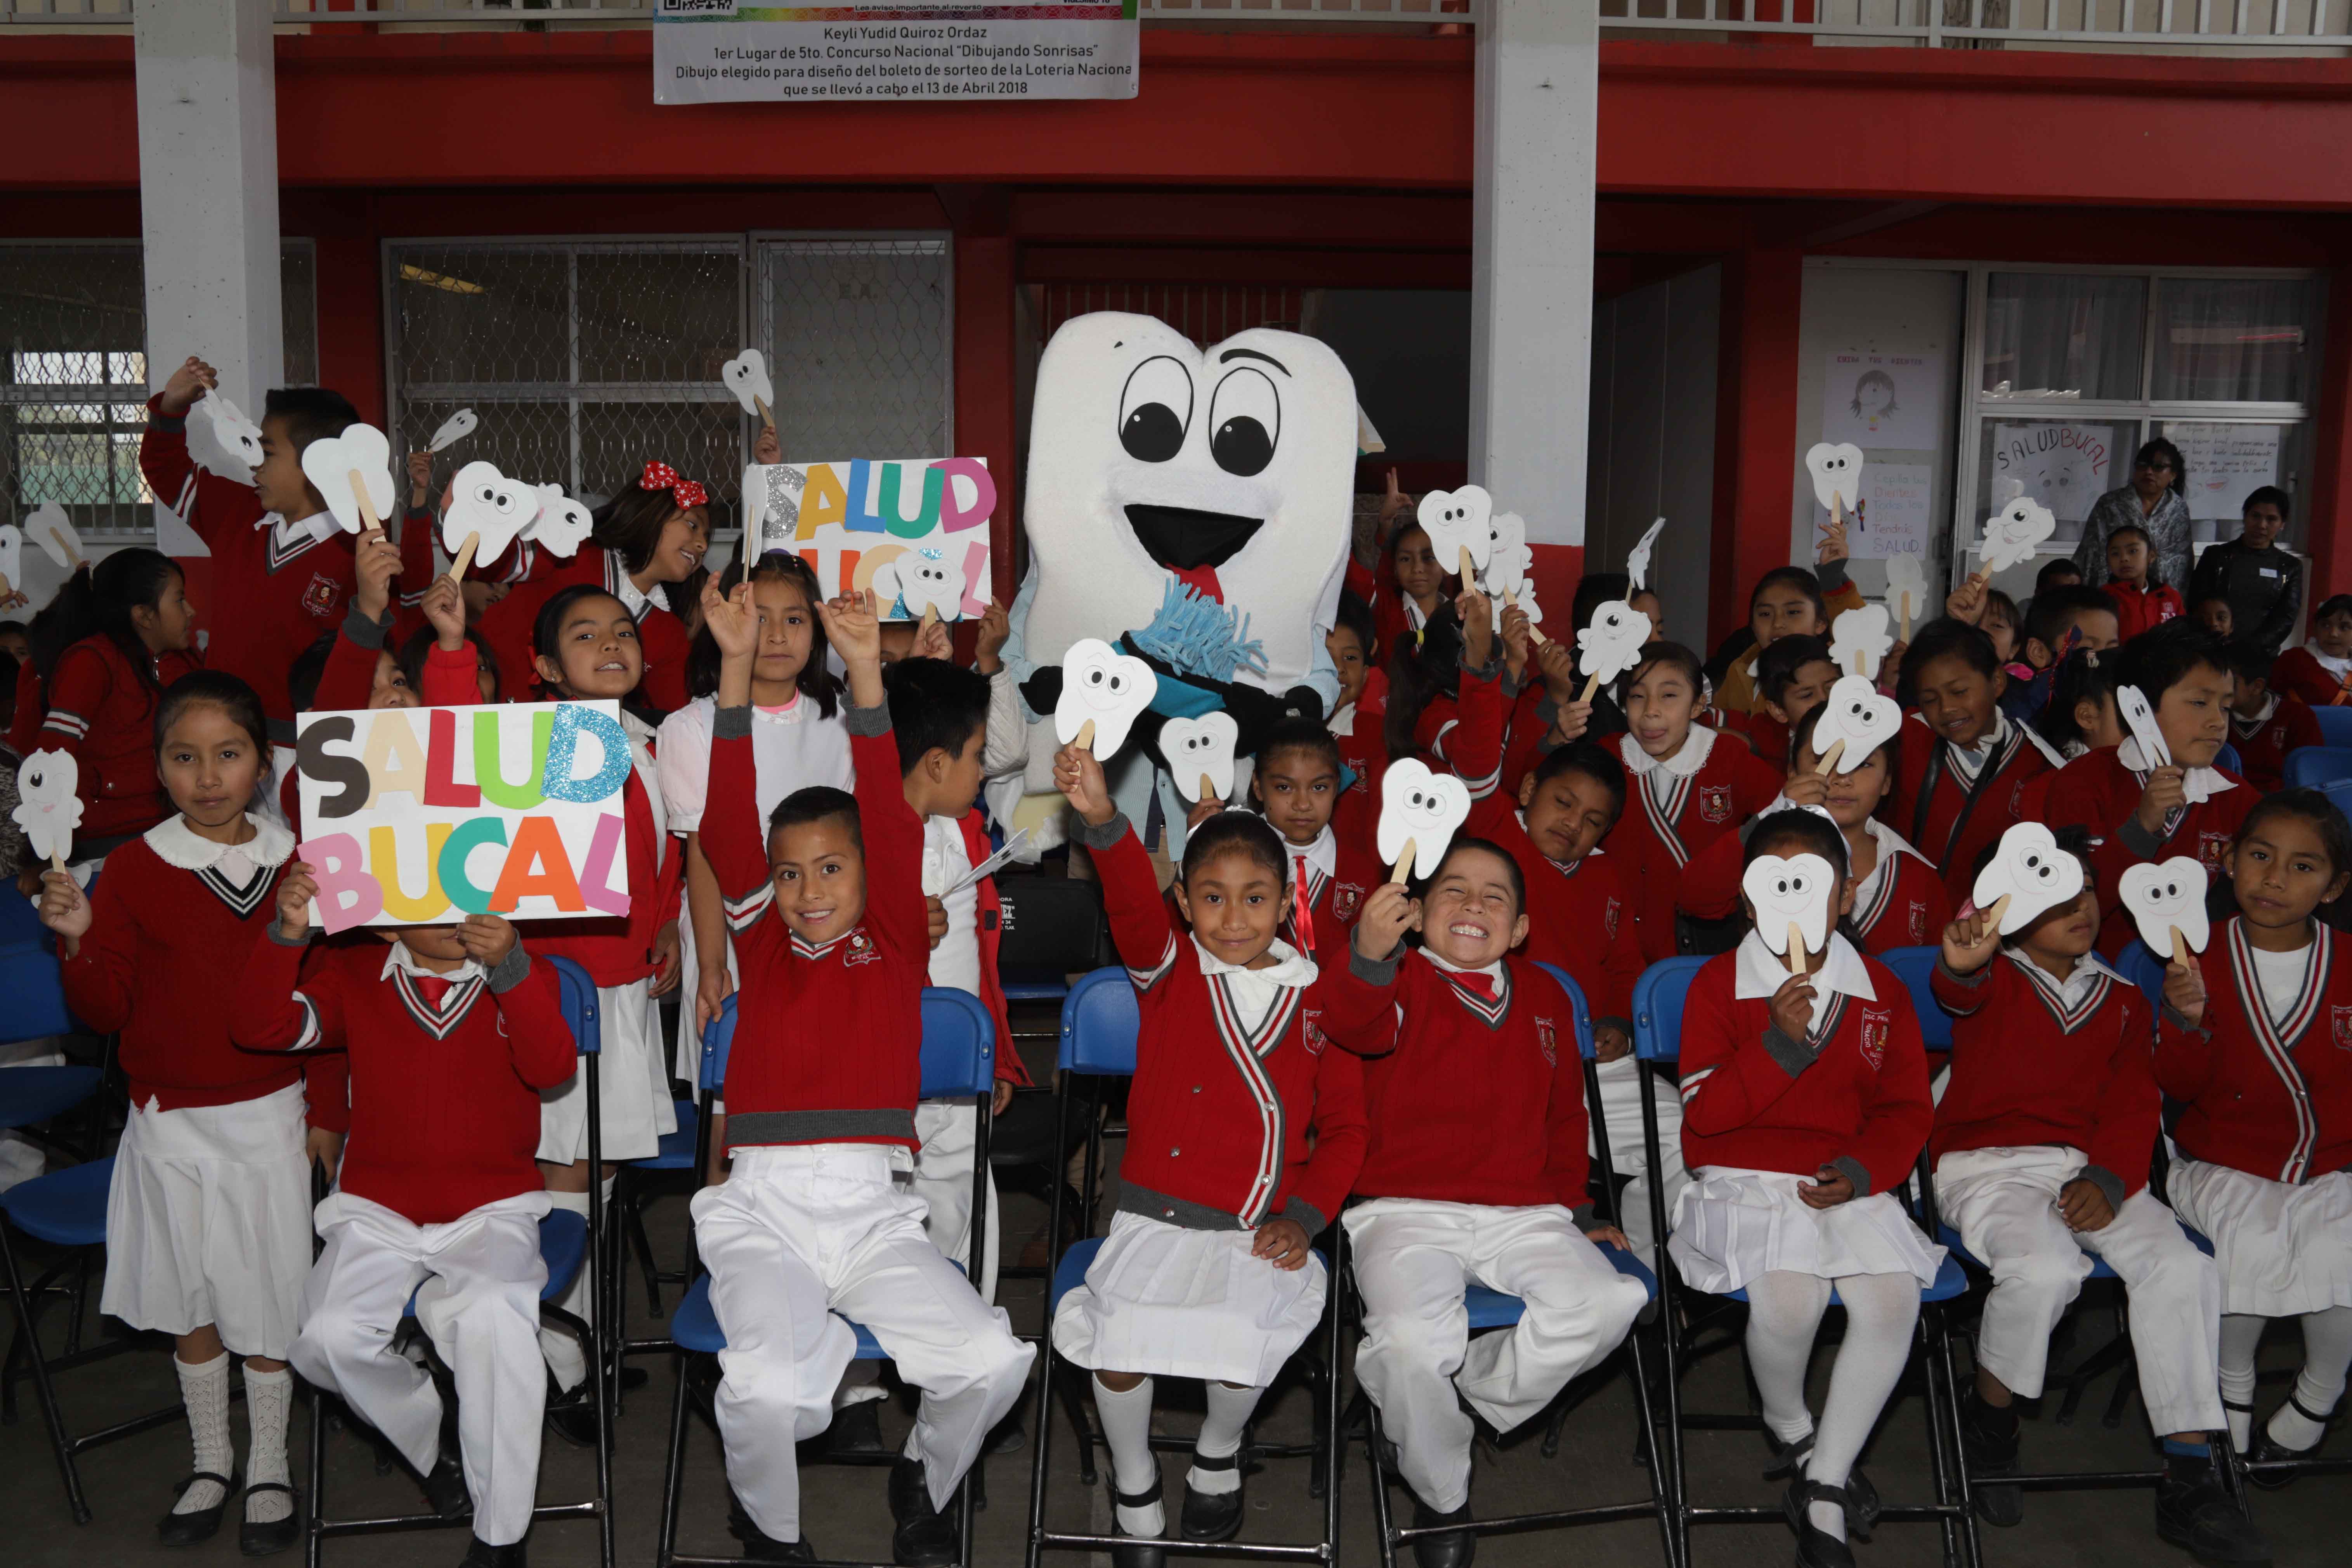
(445, 1486)
(275, 1535)
(480, 1553)
(1211, 1516)
(761, 1548)
(856, 1429)
(1146, 1552)
(571, 1412)
(1990, 1455)
(2269, 1447)
(2202, 1520)
(198, 1524)
(1455, 1549)
(1789, 1464)
(925, 1538)
(1817, 1548)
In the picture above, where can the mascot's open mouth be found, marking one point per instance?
(1185, 541)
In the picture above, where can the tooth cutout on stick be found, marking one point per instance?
(746, 376)
(2131, 707)
(454, 429)
(1859, 721)
(1103, 692)
(48, 790)
(2167, 901)
(1859, 641)
(353, 472)
(53, 532)
(1637, 560)
(1611, 645)
(227, 442)
(562, 525)
(1420, 812)
(12, 559)
(1906, 590)
(1791, 898)
(1507, 555)
(1199, 754)
(1837, 475)
(2014, 533)
(486, 511)
(931, 590)
(2027, 877)
(1460, 527)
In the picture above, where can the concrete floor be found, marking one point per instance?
(129, 1483)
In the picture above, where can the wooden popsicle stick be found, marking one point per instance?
(1591, 684)
(57, 863)
(366, 504)
(1796, 949)
(1830, 758)
(1535, 633)
(464, 557)
(2179, 948)
(930, 618)
(1469, 571)
(2000, 908)
(766, 416)
(1404, 862)
(73, 556)
(1906, 619)
(1208, 790)
(1086, 741)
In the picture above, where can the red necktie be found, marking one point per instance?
(1302, 909)
(1483, 985)
(433, 988)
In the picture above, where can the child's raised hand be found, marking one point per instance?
(938, 919)
(1388, 914)
(1282, 1243)
(1967, 602)
(1393, 503)
(768, 450)
(1835, 1187)
(1079, 778)
(1477, 614)
(190, 382)
(486, 939)
(294, 897)
(444, 610)
(1203, 809)
(1572, 719)
(2184, 990)
(420, 477)
(1970, 941)
(732, 620)
(64, 908)
(1557, 662)
(1832, 544)
(1808, 788)
(995, 630)
(1516, 641)
(2164, 795)
(853, 625)
(935, 641)
(1792, 1006)
(377, 564)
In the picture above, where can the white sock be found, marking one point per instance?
(204, 1388)
(1126, 1433)
(1881, 1311)
(567, 1358)
(1221, 1434)
(2242, 1334)
(2326, 1351)
(1784, 1313)
(268, 1401)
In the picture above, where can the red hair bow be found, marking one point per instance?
(660, 475)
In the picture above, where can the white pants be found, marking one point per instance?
(477, 1281)
(795, 1234)
(950, 1135)
(1621, 1106)
(2004, 1204)
(1413, 1260)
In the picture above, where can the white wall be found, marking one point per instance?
(1652, 438)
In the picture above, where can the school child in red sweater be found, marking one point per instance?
(825, 900)
(1794, 677)
(1357, 717)
(1295, 785)
(1898, 899)
(2320, 672)
(2136, 813)
(452, 1032)
(1690, 788)
(1964, 765)
(1475, 1171)
(207, 1222)
(1423, 584)
(1208, 1271)
(1788, 600)
(2251, 1042)
(1804, 1105)
(2142, 602)
(2265, 724)
(2041, 1151)
(127, 631)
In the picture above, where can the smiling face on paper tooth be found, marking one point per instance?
(2031, 871)
(1456, 520)
(486, 502)
(1103, 687)
(2164, 896)
(1837, 473)
(1420, 808)
(1200, 748)
(1794, 891)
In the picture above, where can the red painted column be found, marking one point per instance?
(2328, 506)
(985, 362)
(1755, 429)
(351, 301)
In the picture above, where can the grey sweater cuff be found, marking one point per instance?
(368, 634)
(1582, 1215)
(2138, 839)
(1974, 977)
(1374, 971)
(282, 941)
(1854, 1171)
(1793, 1055)
(731, 723)
(1310, 1218)
(2179, 1020)
(159, 420)
(874, 720)
(1831, 575)
(510, 970)
(1105, 835)
(1491, 668)
(2108, 1183)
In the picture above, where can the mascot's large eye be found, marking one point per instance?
(1245, 422)
(1155, 410)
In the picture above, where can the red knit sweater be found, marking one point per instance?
(1861, 1104)
(2097, 792)
(1907, 908)
(2299, 672)
(2026, 1071)
(828, 1040)
(2272, 1098)
(508, 626)
(2262, 746)
(103, 712)
(1943, 818)
(1472, 1100)
(2141, 609)
(1660, 832)
(444, 1091)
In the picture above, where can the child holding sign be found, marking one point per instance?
(208, 1219)
(2251, 1043)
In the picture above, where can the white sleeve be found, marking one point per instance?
(682, 767)
(1007, 746)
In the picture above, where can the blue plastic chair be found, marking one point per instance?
(2334, 724)
(565, 1246)
(959, 1062)
(1658, 1000)
(2315, 767)
(36, 1009)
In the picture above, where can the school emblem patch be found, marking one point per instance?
(2209, 847)
(2342, 1021)
(859, 949)
(320, 596)
(1875, 1026)
(1714, 801)
(1346, 898)
(1547, 1040)
(1918, 923)
(1310, 1031)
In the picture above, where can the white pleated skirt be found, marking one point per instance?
(2283, 1250)
(208, 1221)
(1733, 1226)
(1173, 1302)
(632, 1085)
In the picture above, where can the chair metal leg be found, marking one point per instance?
(674, 1475)
(635, 1219)
(43, 1390)
(1660, 1488)
(314, 1506)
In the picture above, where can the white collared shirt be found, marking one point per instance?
(178, 845)
(401, 961)
(1322, 857)
(1968, 763)
(1760, 973)
(2328, 661)
(2197, 785)
(634, 600)
(955, 963)
(1256, 990)
(1688, 758)
(2250, 725)
(2078, 986)
(1492, 972)
(286, 534)
(1343, 721)
(2281, 976)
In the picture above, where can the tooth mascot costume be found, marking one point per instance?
(1189, 507)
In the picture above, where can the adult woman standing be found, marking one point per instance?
(2153, 500)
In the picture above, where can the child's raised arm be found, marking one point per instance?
(733, 837)
(1139, 924)
(893, 834)
(275, 1009)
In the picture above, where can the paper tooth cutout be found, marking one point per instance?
(1199, 754)
(1459, 522)
(1507, 555)
(1420, 811)
(931, 590)
(1858, 723)
(2131, 705)
(1859, 640)
(1837, 475)
(53, 532)
(2012, 533)
(1611, 645)
(235, 440)
(746, 376)
(454, 429)
(341, 467)
(12, 560)
(2167, 901)
(1790, 896)
(486, 511)
(48, 790)
(562, 525)
(1906, 590)
(2027, 877)
(1637, 560)
(1103, 691)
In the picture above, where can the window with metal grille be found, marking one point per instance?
(73, 383)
